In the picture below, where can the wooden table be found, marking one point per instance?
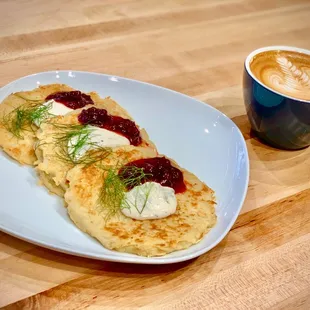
(196, 47)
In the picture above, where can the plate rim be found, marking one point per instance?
(139, 259)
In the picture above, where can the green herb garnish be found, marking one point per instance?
(25, 116)
(70, 140)
(112, 193)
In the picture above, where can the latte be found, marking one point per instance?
(286, 72)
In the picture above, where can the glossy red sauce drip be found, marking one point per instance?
(71, 99)
(157, 169)
(122, 126)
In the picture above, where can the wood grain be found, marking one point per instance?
(196, 47)
(268, 242)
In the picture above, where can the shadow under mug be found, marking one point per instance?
(279, 120)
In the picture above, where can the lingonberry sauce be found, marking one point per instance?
(156, 169)
(122, 126)
(71, 99)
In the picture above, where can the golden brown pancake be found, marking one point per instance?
(194, 217)
(20, 147)
(52, 169)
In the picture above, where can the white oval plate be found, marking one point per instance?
(197, 136)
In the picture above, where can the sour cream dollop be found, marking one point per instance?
(149, 201)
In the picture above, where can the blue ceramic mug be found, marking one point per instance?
(279, 119)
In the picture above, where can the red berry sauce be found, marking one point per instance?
(71, 99)
(122, 126)
(157, 169)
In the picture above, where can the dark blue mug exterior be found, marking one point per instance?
(280, 121)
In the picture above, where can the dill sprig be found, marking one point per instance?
(112, 192)
(40, 114)
(70, 140)
(23, 118)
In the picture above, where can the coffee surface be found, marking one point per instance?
(286, 72)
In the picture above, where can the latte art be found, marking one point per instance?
(283, 71)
